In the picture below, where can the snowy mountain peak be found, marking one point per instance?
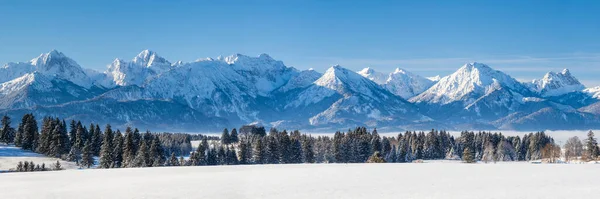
(473, 79)
(48, 58)
(148, 58)
(399, 70)
(475, 66)
(554, 84)
(343, 81)
(373, 75)
(405, 84)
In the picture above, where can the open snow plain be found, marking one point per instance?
(10, 156)
(427, 180)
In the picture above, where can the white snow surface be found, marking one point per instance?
(145, 66)
(594, 92)
(473, 79)
(52, 64)
(412, 180)
(399, 82)
(375, 76)
(10, 156)
(555, 84)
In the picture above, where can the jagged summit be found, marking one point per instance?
(149, 58)
(242, 59)
(377, 77)
(555, 84)
(239, 89)
(472, 79)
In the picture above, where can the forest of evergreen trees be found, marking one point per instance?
(107, 148)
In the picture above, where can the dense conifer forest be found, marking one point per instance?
(94, 146)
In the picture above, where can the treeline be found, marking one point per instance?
(78, 144)
(32, 167)
(253, 145)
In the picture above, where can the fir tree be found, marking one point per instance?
(468, 155)
(72, 133)
(142, 157)
(30, 132)
(156, 153)
(129, 148)
(19, 136)
(259, 156)
(201, 151)
(97, 139)
(106, 156)
(7, 133)
(87, 156)
(308, 155)
(233, 137)
(591, 146)
(173, 160)
(375, 142)
(74, 155)
(117, 150)
(211, 157)
(57, 166)
(244, 154)
(225, 137)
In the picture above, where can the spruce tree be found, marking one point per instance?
(72, 133)
(375, 142)
(7, 133)
(57, 143)
(201, 151)
(106, 156)
(157, 155)
(19, 136)
(30, 132)
(74, 155)
(259, 156)
(118, 150)
(143, 156)
(173, 160)
(308, 155)
(81, 136)
(97, 139)
(244, 154)
(211, 157)
(233, 137)
(591, 146)
(46, 136)
(468, 155)
(128, 148)
(87, 156)
(225, 137)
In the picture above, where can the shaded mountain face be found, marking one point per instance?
(209, 94)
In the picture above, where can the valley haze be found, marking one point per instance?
(207, 95)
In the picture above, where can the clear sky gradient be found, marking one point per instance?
(525, 39)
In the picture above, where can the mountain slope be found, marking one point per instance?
(356, 101)
(145, 66)
(400, 82)
(52, 64)
(555, 84)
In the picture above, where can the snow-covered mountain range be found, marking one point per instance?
(208, 94)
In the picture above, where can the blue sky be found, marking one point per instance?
(525, 39)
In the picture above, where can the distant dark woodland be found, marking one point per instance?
(253, 145)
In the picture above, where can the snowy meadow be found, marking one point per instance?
(412, 180)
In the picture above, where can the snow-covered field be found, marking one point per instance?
(427, 180)
(10, 156)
